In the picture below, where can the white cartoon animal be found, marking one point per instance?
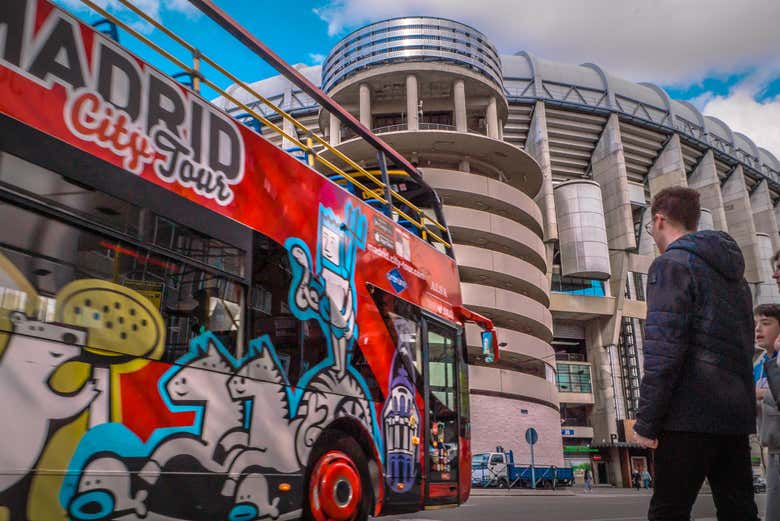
(203, 381)
(271, 431)
(27, 401)
(252, 501)
(104, 487)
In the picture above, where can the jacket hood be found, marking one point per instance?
(717, 249)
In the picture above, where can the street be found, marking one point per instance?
(600, 505)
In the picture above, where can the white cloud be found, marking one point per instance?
(759, 120)
(662, 41)
(157, 9)
(316, 58)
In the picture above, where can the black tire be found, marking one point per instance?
(502, 483)
(334, 440)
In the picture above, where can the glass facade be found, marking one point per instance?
(574, 378)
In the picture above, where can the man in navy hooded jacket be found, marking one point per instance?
(697, 397)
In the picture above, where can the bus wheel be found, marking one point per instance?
(337, 484)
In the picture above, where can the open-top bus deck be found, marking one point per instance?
(196, 325)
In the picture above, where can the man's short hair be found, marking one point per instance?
(768, 310)
(775, 260)
(679, 205)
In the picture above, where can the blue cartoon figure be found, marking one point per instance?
(326, 293)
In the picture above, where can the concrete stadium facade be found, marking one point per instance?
(546, 171)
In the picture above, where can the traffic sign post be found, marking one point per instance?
(531, 436)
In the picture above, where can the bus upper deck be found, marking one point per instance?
(184, 306)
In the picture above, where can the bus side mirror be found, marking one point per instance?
(490, 346)
(489, 339)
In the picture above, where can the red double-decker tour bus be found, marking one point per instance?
(197, 325)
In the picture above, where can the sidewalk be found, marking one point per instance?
(563, 491)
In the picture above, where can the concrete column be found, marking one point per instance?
(491, 118)
(608, 165)
(646, 244)
(739, 216)
(537, 144)
(605, 372)
(501, 129)
(412, 98)
(705, 180)
(777, 214)
(289, 129)
(335, 130)
(764, 214)
(459, 98)
(668, 169)
(464, 165)
(365, 105)
(765, 291)
(287, 126)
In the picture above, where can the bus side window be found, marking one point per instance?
(299, 345)
(122, 279)
(118, 293)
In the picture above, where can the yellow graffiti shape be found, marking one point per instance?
(120, 322)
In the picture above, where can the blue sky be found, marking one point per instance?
(719, 54)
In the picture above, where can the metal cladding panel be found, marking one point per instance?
(706, 221)
(582, 230)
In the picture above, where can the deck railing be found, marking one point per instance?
(311, 144)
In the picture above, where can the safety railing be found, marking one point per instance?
(429, 228)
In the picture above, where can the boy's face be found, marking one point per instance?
(767, 331)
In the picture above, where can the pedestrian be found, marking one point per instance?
(697, 397)
(646, 478)
(767, 329)
(768, 338)
(588, 480)
(635, 480)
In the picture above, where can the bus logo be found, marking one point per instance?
(396, 280)
(128, 109)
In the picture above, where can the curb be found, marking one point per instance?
(520, 492)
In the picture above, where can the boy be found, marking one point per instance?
(767, 333)
(767, 330)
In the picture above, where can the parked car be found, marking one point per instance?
(759, 485)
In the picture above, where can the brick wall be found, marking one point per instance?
(500, 421)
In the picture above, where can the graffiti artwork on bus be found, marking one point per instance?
(401, 416)
(129, 433)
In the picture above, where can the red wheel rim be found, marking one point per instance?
(335, 489)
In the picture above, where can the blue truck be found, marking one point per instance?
(498, 470)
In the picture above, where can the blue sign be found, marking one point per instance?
(567, 432)
(396, 280)
(531, 436)
(487, 346)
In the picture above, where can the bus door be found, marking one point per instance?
(441, 403)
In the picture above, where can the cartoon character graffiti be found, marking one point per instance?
(263, 389)
(105, 489)
(201, 383)
(35, 350)
(400, 415)
(247, 424)
(334, 387)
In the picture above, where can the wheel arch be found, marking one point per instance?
(355, 429)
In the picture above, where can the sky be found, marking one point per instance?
(721, 55)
